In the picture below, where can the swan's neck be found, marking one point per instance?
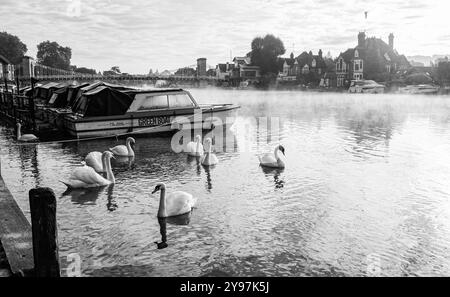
(162, 204)
(277, 157)
(19, 134)
(276, 154)
(130, 149)
(107, 167)
(198, 145)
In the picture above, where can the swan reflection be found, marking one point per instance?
(276, 172)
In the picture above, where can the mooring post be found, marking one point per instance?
(31, 104)
(45, 233)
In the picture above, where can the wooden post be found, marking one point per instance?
(45, 233)
(31, 104)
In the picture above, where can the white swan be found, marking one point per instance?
(273, 160)
(24, 137)
(124, 150)
(195, 148)
(209, 158)
(176, 203)
(94, 160)
(86, 177)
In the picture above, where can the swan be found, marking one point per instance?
(209, 158)
(272, 160)
(86, 177)
(176, 203)
(94, 160)
(24, 137)
(195, 148)
(124, 150)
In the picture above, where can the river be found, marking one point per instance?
(365, 192)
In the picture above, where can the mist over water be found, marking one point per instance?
(366, 181)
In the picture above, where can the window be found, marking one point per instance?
(313, 63)
(180, 100)
(356, 54)
(154, 102)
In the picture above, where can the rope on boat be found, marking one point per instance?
(93, 138)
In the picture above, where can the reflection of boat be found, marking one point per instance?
(106, 111)
(419, 89)
(366, 86)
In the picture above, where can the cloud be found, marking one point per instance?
(141, 34)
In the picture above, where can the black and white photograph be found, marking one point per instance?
(212, 139)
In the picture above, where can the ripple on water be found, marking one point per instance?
(366, 180)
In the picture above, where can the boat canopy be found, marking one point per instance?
(59, 97)
(103, 101)
(72, 92)
(93, 86)
(43, 91)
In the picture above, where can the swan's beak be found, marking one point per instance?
(154, 191)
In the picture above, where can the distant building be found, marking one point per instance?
(224, 71)
(6, 69)
(306, 64)
(201, 66)
(244, 70)
(372, 58)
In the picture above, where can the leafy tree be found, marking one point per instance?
(54, 55)
(83, 70)
(265, 52)
(12, 48)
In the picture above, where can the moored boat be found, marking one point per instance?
(366, 86)
(106, 111)
(419, 89)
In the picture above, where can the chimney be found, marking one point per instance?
(361, 39)
(391, 41)
(320, 53)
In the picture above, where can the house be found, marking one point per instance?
(224, 70)
(6, 69)
(305, 66)
(372, 59)
(26, 68)
(244, 70)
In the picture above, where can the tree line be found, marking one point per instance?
(49, 53)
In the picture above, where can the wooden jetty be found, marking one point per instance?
(31, 249)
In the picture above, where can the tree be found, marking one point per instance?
(83, 70)
(12, 48)
(54, 55)
(265, 52)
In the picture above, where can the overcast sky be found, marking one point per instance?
(141, 34)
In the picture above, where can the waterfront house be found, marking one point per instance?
(245, 71)
(26, 68)
(372, 59)
(6, 69)
(223, 71)
(307, 67)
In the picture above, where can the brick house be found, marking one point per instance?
(372, 59)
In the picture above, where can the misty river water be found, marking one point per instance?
(365, 192)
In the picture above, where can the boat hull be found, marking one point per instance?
(150, 122)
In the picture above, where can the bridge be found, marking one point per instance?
(48, 74)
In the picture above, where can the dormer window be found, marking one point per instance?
(356, 54)
(313, 63)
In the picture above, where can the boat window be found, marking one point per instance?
(154, 102)
(180, 100)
